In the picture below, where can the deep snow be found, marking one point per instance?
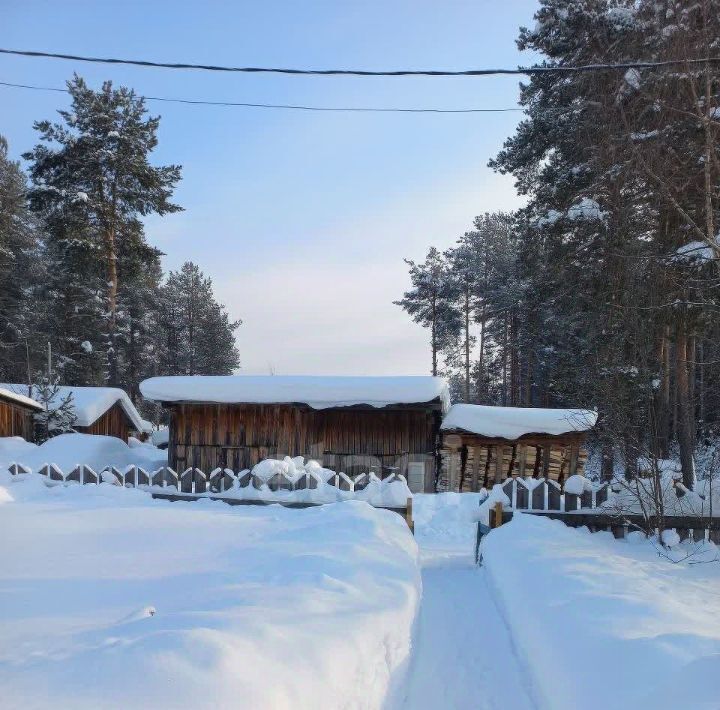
(113, 600)
(69, 450)
(617, 623)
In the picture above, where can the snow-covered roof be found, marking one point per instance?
(90, 403)
(20, 399)
(514, 422)
(317, 392)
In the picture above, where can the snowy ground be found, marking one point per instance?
(619, 624)
(462, 652)
(110, 599)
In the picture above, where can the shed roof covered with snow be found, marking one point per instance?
(515, 422)
(317, 392)
(90, 403)
(21, 400)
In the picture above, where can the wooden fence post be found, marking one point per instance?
(409, 515)
(497, 515)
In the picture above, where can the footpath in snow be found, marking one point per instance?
(462, 654)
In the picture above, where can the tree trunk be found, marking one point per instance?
(467, 343)
(663, 409)
(433, 337)
(684, 406)
(112, 282)
(481, 357)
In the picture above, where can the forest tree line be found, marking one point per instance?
(76, 269)
(604, 290)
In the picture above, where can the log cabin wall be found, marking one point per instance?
(15, 421)
(348, 439)
(113, 423)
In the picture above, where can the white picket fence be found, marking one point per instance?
(195, 481)
(547, 495)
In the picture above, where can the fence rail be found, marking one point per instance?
(547, 495)
(193, 484)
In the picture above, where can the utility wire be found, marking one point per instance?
(361, 72)
(295, 107)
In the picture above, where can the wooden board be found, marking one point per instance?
(207, 436)
(15, 421)
(113, 423)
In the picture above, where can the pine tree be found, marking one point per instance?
(197, 333)
(92, 181)
(431, 303)
(58, 415)
(20, 269)
(621, 171)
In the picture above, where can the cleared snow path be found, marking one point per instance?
(462, 655)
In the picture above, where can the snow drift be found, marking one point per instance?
(68, 450)
(638, 630)
(113, 600)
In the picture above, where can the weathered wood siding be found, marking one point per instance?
(238, 436)
(113, 423)
(15, 421)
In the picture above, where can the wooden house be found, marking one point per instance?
(98, 410)
(16, 414)
(350, 424)
(484, 445)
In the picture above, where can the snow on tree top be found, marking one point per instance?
(19, 398)
(514, 422)
(89, 403)
(317, 392)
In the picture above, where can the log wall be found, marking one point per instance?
(479, 462)
(113, 423)
(15, 421)
(207, 436)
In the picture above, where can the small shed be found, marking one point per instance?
(483, 445)
(98, 410)
(16, 414)
(351, 424)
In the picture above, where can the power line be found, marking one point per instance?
(294, 107)
(361, 72)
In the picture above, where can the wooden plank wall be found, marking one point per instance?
(113, 423)
(238, 436)
(15, 421)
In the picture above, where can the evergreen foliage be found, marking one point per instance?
(196, 330)
(58, 416)
(604, 290)
(76, 270)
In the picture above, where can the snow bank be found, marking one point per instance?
(69, 450)
(639, 496)
(638, 630)
(321, 488)
(514, 422)
(90, 403)
(316, 392)
(113, 600)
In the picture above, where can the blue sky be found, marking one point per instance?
(301, 219)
